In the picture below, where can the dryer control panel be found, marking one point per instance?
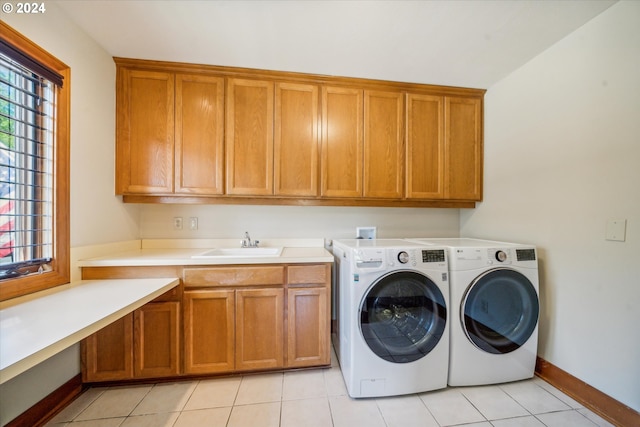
(475, 257)
(500, 256)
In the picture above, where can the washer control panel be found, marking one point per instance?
(376, 258)
(403, 257)
(433, 255)
(369, 257)
(414, 257)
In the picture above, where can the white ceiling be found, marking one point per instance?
(458, 43)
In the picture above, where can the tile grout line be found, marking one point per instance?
(475, 407)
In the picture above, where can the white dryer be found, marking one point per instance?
(392, 322)
(495, 309)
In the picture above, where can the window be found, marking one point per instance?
(34, 167)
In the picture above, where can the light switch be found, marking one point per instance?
(616, 229)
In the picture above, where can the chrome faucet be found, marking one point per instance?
(247, 242)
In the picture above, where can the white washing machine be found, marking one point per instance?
(392, 322)
(494, 310)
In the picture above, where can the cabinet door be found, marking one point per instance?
(156, 340)
(259, 329)
(209, 342)
(108, 353)
(145, 132)
(296, 140)
(199, 134)
(425, 147)
(249, 137)
(383, 132)
(342, 143)
(463, 148)
(308, 327)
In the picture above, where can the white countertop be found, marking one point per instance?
(41, 326)
(183, 256)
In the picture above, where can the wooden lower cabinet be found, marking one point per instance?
(308, 327)
(259, 329)
(142, 344)
(228, 319)
(156, 345)
(233, 330)
(108, 354)
(209, 331)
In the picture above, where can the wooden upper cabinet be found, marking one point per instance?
(145, 132)
(444, 148)
(342, 142)
(208, 134)
(463, 148)
(383, 144)
(199, 135)
(362, 143)
(296, 140)
(425, 147)
(249, 137)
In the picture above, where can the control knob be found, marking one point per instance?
(501, 256)
(403, 257)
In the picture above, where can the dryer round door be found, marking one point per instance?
(403, 316)
(500, 311)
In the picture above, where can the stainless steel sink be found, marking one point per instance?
(240, 252)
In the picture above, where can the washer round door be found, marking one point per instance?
(403, 316)
(500, 311)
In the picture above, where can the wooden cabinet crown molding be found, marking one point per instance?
(295, 77)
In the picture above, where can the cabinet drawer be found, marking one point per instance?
(307, 274)
(233, 276)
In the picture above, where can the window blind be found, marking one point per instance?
(27, 105)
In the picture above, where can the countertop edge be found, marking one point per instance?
(183, 257)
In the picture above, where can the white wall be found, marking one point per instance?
(219, 221)
(562, 156)
(97, 216)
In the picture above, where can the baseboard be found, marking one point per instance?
(607, 407)
(45, 409)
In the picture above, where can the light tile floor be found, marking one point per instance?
(318, 398)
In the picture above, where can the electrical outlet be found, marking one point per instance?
(193, 223)
(177, 223)
(616, 230)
